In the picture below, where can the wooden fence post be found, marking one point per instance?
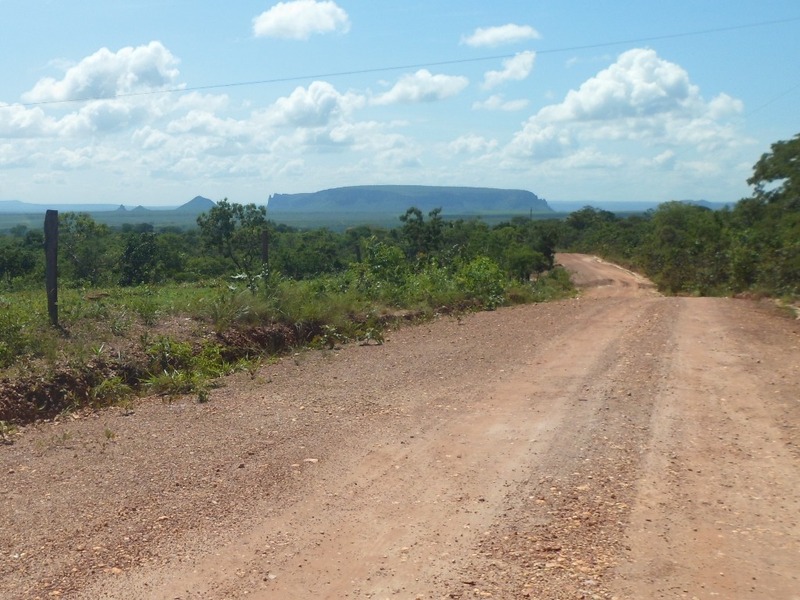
(51, 264)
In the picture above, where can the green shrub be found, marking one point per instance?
(210, 362)
(229, 307)
(483, 281)
(111, 391)
(16, 337)
(176, 383)
(382, 273)
(165, 354)
(555, 285)
(432, 286)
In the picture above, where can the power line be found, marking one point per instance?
(675, 35)
(772, 100)
(385, 69)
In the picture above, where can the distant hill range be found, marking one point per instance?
(709, 205)
(396, 199)
(339, 208)
(195, 206)
(567, 206)
(375, 199)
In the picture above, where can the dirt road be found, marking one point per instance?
(618, 445)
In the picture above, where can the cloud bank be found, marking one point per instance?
(640, 116)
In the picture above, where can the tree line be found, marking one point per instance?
(228, 242)
(752, 247)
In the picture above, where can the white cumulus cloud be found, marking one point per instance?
(315, 106)
(422, 86)
(497, 36)
(665, 160)
(200, 122)
(17, 121)
(638, 84)
(103, 116)
(471, 144)
(106, 74)
(498, 102)
(515, 68)
(642, 97)
(724, 106)
(300, 19)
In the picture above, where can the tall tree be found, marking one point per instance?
(768, 240)
(781, 165)
(421, 238)
(139, 259)
(234, 231)
(87, 254)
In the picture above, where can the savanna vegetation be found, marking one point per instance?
(753, 247)
(168, 311)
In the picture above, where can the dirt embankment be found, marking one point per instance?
(620, 445)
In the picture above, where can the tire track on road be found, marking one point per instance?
(717, 511)
(561, 533)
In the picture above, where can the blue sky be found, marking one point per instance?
(152, 102)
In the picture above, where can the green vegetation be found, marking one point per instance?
(169, 311)
(753, 247)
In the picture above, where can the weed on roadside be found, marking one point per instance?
(229, 307)
(372, 335)
(111, 391)
(171, 383)
(166, 353)
(61, 440)
(120, 323)
(148, 311)
(329, 337)
(7, 430)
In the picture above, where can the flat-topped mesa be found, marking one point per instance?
(398, 198)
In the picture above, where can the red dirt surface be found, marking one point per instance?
(618, 445)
